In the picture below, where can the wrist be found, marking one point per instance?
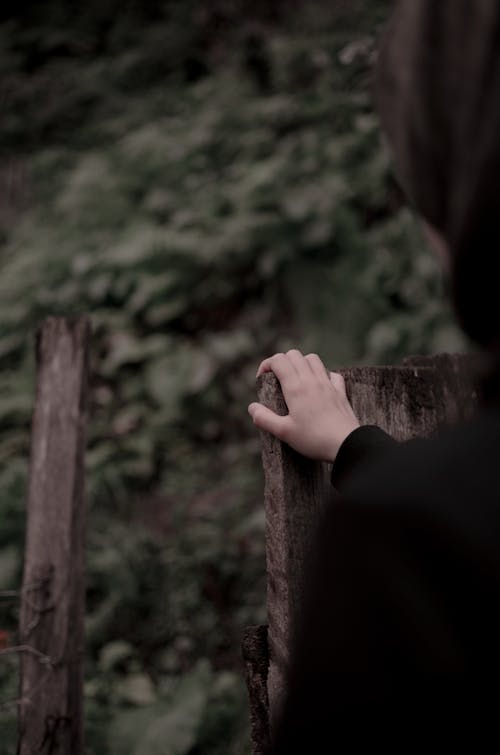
(339, 441)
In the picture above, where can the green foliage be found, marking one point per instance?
(208, 201)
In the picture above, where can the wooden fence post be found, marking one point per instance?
(412, 400)
(293, 497)
(52, 603)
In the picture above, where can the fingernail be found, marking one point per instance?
(251, 409)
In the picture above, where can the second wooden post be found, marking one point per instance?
(52, 605)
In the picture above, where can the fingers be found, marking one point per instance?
(299, 361)
(282, 362)
(338, 381)
(267, 420)
(284, 371)
(279, 364)
(317, 366)
(294, 370)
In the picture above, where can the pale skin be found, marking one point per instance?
(320, 416)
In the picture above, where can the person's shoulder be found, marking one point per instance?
(455, 475)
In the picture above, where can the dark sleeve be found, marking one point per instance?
(362, 444)
(375, 622)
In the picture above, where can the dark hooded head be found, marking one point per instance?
(438, 91)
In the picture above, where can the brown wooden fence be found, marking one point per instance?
(52, 594)
(414, 399)
(411, 400)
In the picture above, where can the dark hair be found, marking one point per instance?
(438, 91)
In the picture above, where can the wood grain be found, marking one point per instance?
(294, 494)
(256, 658)
(415, 399)
(52, 606)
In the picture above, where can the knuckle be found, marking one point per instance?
(273, 356)
(272, 361)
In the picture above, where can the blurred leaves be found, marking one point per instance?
(176, 730)
(208, 182)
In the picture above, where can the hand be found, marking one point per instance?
(319, 417)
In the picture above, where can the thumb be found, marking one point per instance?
(268, 420)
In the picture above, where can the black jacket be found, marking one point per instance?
(402, 607)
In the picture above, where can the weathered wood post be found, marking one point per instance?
(52, 603)
(412, 400)
(293, 497)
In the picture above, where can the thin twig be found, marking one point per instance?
(27, 649)
(43, 658)
(27, 588)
